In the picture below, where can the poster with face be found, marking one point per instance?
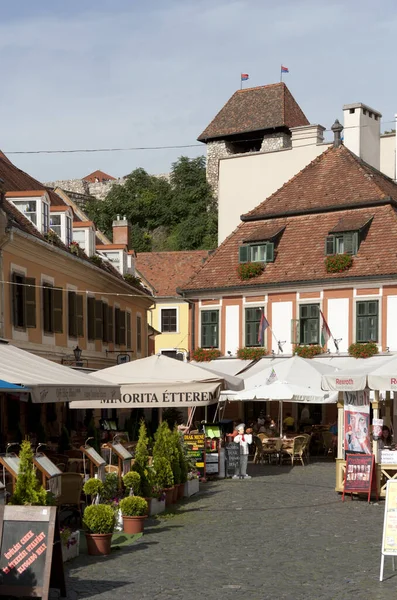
(356, 421)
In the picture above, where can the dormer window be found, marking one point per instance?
(34, 205)
(116, 254)
(61, 223)
(84, 235)
(260, 244)
(346, 236)
(263, 252)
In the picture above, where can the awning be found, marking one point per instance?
(49, 381)
(6, 386)
(375, 372)
(157, 382)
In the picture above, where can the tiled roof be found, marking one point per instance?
(351, 223)
(167, 271)
(265, 231)
(26, 194)
(255, 109)
(100, 175)
(335, 179)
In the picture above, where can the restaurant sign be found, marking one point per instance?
(360, 476)
(195, 450)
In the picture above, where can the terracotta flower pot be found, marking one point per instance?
(169, 495)
(133, 524)
(98, 544)
(175, 496)
(181, 489)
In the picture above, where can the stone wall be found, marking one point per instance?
(275, 141)
(79, 186)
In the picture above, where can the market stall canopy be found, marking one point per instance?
(286, 391)
(226, 366)
(297, 370)
(48, 381)
(231, 381)
(158, 381)
(360, 377)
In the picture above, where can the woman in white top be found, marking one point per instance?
(244, 440)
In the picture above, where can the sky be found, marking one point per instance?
(127, 73)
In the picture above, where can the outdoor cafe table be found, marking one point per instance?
(277, 444)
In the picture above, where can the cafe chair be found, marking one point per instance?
(327, 439)
(67, 488)
(111, 469)
(258, 456)
(297, 450)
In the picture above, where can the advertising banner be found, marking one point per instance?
(356, 422)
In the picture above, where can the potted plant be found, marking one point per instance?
(132, 483)
(70, 543)
(141, 463)
(134, 510)
(28, 490)
(164, 478)
(157, 501)
(192, 486)
(99, 520)
(93, 487)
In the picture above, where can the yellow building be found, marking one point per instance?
(171, 316)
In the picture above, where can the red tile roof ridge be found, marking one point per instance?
(259, 87)
(179, 252)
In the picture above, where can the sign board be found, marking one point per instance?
(93, 456)
(195, 443)
(389, 537)
(360, 476)
(123, 358)
(121, 452)
(11, 463)
(232, 459)
(30, 551)
(46, 466)
(212, 463)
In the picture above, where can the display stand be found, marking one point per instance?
(124, 458)
(195, 443)
(95, 460)
(389, 537)
(360, 475)
(232, 453)
(46, 467)
(10, 463)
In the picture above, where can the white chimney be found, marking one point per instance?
(362, 132)
(307, 135)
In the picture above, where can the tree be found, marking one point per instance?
(141, 464)
(27, 489)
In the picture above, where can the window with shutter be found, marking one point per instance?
(91, 318)
(98, 320)
(117, 326)
(367, 321)
(48, 308)
(72, 314)
(18, 295)
(209, 328)
(105, 322)
(128, 338)
(58, 309)
(122, 327)
(257, 252)
(138, 334)
(80, 315)
(342, 243)
(309, 323)
(110, 324)
(252, 321)
(330, 245)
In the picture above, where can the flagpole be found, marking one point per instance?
(241, 81)
(281, 74)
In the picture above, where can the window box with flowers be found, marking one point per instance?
(308, 351)
(254, 353)
(192, 485)
(250, 269)
(76, 250)
(205, 354)
(363, 350)
(52, 237)
(338, 263)
(70, 543)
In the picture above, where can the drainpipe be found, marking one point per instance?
(193, 319)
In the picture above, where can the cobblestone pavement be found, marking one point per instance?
(284, 534)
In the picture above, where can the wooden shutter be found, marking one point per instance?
(105, 322)
(18, 300)
(30, 302)
(122, 328)
(138, 334)
(79, 315)
(270, 252)
(58, 309)
(48, 313)
(72, 314)
(91, 318)
(330, 245)
(117, 326)
(14, 307)
(350, 242)
(128, 340)
(243, 253)
(110, 324)
(98, 320)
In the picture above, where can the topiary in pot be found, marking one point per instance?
(111, 489)
(141, 464)
(93, 487)
(99, 519)
(28, 490)
(164, 478)
(132, 482)
(134, 510)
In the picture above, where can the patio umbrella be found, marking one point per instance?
(5, 386)
(372, 372)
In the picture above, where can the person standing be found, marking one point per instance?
(244, 440)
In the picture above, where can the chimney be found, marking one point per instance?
(362, 132)
(307, 134)
(121, 231)
(337, 129)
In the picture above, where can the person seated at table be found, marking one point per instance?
(386, 440)
(289, 422)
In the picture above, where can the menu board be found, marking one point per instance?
(11, 463)
(93, 455)
(27, 551)
(46, 466)
(121, 451)
(195, 443)
(232, 459)
(360, 474)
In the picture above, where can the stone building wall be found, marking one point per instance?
(275, 141)
(79, 186)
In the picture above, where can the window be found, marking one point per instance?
(138, 334)
(309, 321)
(128, 340)
(98, 320)
(23, 301)
(168, 320)
(209, 328)
(257, 252)
(56, 224)
(69, 230)
(342, 243)
(75, 315)
(45, 216)
(52, 309)
(367, 321)
(105, 321)
(252, 321)
(79, 237)
(28, 208)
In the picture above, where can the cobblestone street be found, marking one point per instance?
(284, 534)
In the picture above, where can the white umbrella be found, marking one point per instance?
(358, 378)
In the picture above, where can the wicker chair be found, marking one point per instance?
(67, 488)
(111, 469)
(297, 450)
(258, 457)
(327, 440)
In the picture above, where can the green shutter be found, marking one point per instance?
(110, 324)
(355, 242)
(58, 309)
(80, 315)
(91, 318)
(14, 307)
(244, 254)
(72, 325)
(47, 309)
(330, 245)
(138, 334)
(98, 320)
(270, 252)
(30, 302)
(350, 242)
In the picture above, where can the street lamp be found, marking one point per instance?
(77, 356)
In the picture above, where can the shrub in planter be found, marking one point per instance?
(164, 478)
(251, 353)
(111, 491)
(250, 269)
(337, 263)
(28, 490)
(132, 482)
(99, 519)
(141, 464)
(205, 354)
(93, 487)
(134, 510)
(308, 351)
(363, 350)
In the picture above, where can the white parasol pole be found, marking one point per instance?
(281, 418)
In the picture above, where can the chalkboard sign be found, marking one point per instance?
(30, 551)
(232, 459)
(360, 474)
(195, 443)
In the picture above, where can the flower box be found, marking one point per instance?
(156, 506)
(71, 548)
(191, 487)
